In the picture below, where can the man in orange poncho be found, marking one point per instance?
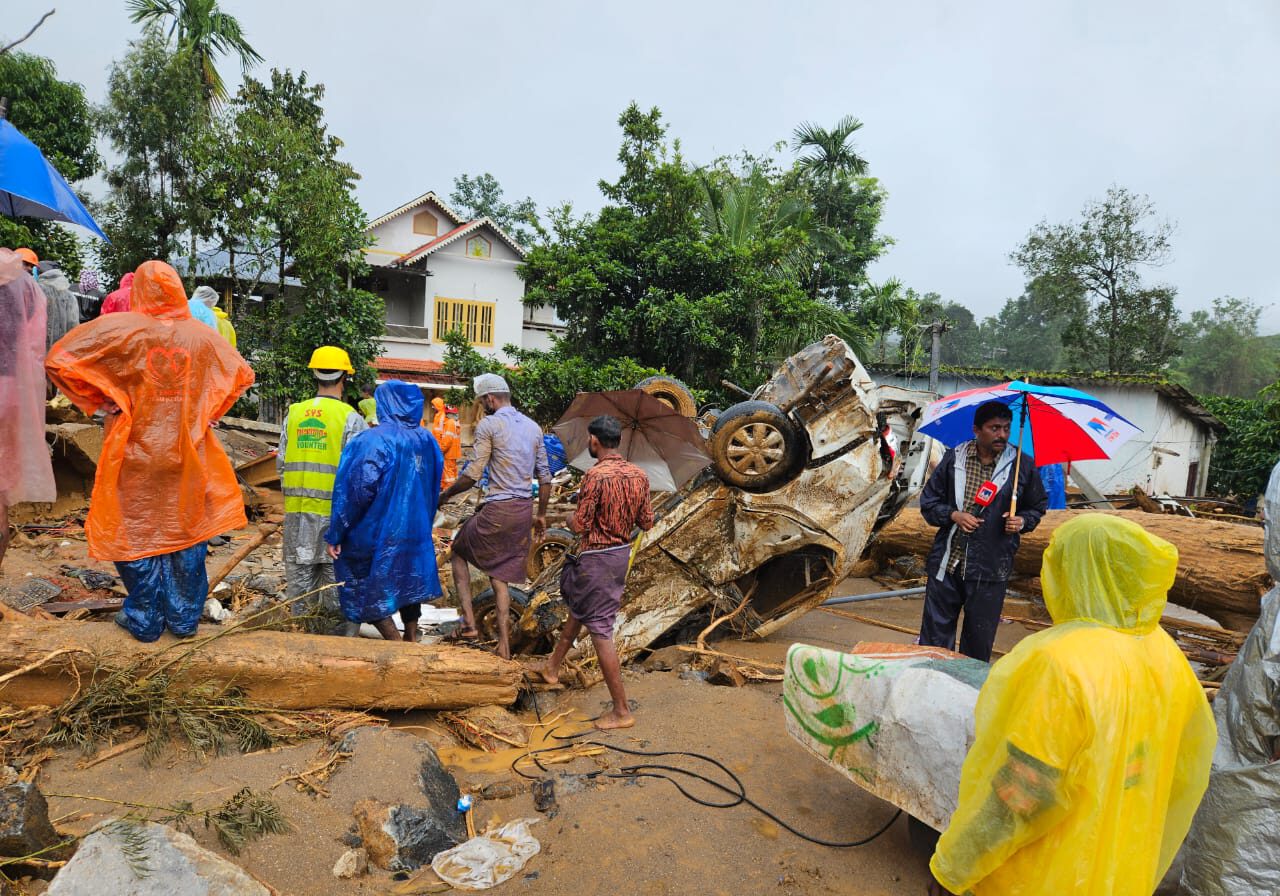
(444, 426)
(164, 485)
(25, 471)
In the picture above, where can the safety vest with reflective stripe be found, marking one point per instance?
(312, 452)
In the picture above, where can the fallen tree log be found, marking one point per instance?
(1221, 572)
(281, 670)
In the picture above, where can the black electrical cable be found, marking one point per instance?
(737, 793)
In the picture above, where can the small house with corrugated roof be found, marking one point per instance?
(1169, 457)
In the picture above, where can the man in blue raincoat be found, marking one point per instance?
(384, 501)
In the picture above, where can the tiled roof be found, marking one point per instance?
(415, 203)
(412, 370)
(407, 365)
(456, 234)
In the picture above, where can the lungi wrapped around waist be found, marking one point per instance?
(592, 583)
(497, 538)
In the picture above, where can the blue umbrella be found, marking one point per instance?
(32, 188)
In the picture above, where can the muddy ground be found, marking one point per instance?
(611, 836)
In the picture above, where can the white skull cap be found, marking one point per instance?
(488, 383)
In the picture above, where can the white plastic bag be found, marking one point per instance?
(488, 860)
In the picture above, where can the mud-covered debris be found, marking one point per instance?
(490, 728)
(402, 837)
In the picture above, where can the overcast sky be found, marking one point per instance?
(981, 118)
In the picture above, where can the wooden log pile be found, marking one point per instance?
(1221, 572)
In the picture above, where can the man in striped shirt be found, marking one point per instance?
(612, 502)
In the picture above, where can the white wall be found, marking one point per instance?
(1164, 424)
(396, 237)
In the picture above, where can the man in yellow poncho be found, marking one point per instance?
(1093, 738)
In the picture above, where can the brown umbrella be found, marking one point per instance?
(656, 438)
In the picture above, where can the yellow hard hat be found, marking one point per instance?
(330, 357)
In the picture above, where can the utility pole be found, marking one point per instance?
(936, 329)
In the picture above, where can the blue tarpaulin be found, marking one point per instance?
(384, 502)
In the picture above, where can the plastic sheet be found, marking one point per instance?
(1234, 844)
(872, 714)
(26, 473)
(384, 499)
(1093, 738)
(62, 310)
(164, 482)
(488, 860)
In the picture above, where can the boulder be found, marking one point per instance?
(24, 820)
(399, 838)
(352, 863)
(146, 859)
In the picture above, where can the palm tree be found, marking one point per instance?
(885, 307)
(201, 28)
(829, 152)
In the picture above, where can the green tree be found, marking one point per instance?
(1243, 458)
(287, 205)
(1130, 327)
(56, 117)
(543, 383)
(1028, 333)
(482, 197)
(155, 120)
(1224, 355)
(203, 33)
(886, 307)
(645, 279)
(846, 204)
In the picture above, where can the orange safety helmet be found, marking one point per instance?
(27, 255)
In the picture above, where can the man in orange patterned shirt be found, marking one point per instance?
(612, 502)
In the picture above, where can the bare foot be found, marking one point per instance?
(545, 673)
(612, 720)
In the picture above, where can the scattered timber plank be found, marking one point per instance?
(1221, 572)
(259, 471)
(67, 606)
(281, 670)
(234, 560)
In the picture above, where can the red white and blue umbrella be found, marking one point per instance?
(1053, 424)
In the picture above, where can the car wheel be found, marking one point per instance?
(671, 392)
(755, 446)
(551, 549)
(485, 606)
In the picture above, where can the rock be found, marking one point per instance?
(503, 790)
(24, 820)
(665, 659)
(726, 674)
(266, 583)
(399, 838)
(440, 789)
(352, 863)
(694, 675)
(146, 859)
(540, 703)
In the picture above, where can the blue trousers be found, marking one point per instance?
(164, 591)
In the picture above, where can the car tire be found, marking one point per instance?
(485, 607)
(671, 392)
(555, 543)
(756, 447)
